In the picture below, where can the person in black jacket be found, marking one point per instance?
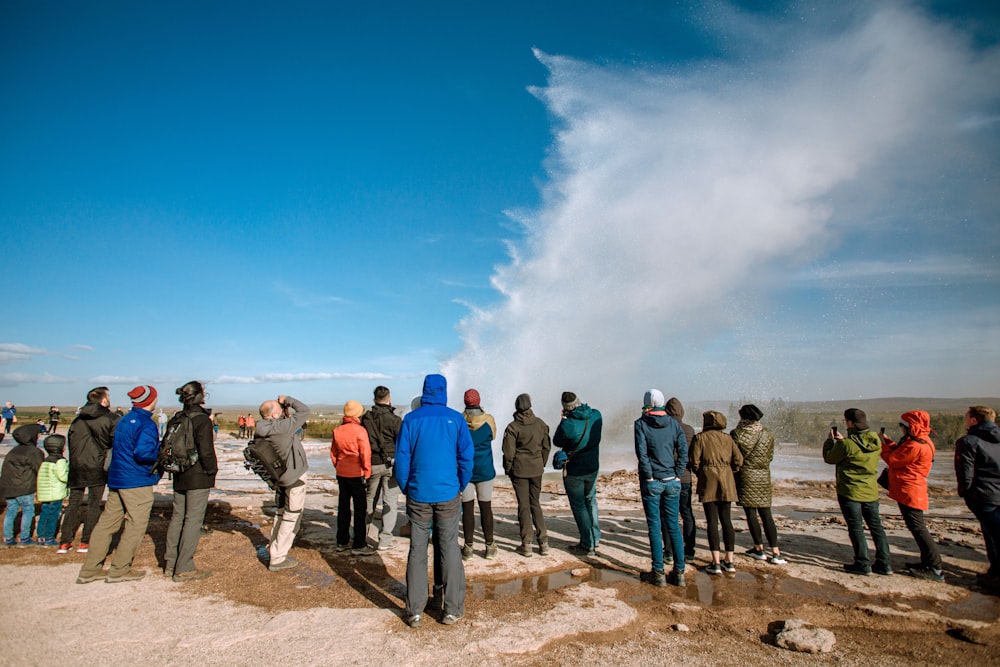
(191, 488)
(90, 438)
(382, 424)
(18, 482)
(977, 469)
(53, 419)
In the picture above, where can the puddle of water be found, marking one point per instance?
(542, 583)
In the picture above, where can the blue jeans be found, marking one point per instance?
(48, 520)
(26, 504)
(581, 490)
(661, 503)
(989, 521)
(855, 513)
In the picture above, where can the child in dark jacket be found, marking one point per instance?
(51, 489)
(17, 483)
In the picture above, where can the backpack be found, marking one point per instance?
(178, 450)
(261, 458)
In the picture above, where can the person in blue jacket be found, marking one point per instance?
(434, 456)
(131, 479)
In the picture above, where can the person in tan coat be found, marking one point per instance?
(714, 459)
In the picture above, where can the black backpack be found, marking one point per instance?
(178, 450)
(261, 458)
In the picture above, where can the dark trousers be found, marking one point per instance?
(529, 508)
(716, 512)
(914, 520)
(447, 555)
(989, 522)
(754, 525)
(71, 519)
(469, 520)
(353, 491)
(688, 529)
(857, 515)
(184, 531)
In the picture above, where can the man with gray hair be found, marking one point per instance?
(279, 424)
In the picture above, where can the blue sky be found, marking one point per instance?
(721, 200)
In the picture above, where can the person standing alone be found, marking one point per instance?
(578, 435)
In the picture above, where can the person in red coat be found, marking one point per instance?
(909, 462)
(351, 454)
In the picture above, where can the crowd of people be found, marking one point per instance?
(443, 462)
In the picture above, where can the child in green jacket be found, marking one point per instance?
(52, 477)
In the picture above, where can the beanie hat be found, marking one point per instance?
(653, 399)
(522, 403)
(143, 396)
(471, 398)
(751, 412)
(570, 401)
(857, 416)
(353, 409)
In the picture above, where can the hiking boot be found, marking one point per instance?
(676, 578)
(491, 551)
(131, 575)
(776, 559)
(543, 549)
(192, 575)
(343, 547)
(286, 564)
(364, 551)
(884, 571)
(654, 577)
(84, 548)
(728, 566)
(854, 568)
(168, 571)
(756, 554)
(452, 619)
(467, 552)
(414, 621)
(713, 568)
(580, 550)
(93, 577)
(524, 550)
(64, 548)
(924, 572)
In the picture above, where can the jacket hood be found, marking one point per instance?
(713, 421)
(988, 431)
(522, 403)
(583, 411)
(865, 439)
(919, 424)
(92, 411)
(675, 409)
(435, 390)
(656, 421)
(55, 444)
(27, 434)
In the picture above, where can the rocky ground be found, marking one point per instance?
(341, 609)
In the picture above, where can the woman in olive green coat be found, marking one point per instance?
(754, 481)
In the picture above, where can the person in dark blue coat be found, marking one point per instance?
(483, 429)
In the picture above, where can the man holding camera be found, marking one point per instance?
(280, 423)
(382, 424)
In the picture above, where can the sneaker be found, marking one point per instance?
(84, 548)
(131, 575)
(64, 548)
(776, 559)
(386, 543)
(467, 552)
(286, 564)
(654, 577)
(343, 547)
(543, 549)
(884, 571)
(756, 554)
(713, 568)
(581, 550)
(524, 550)
(414, 621)
(27, 543)
(192, 575)
(491, 551)
(676, 578)
(452, 619)
(87, 579)
(364, 551)
(10, 543)
(49, 543)
(689, 556)
(928, 573)
(728, 566)
(854, 568)
(168, 571)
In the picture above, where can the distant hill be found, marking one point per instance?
(898, 404)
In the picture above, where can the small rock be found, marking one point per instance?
(680, 627)
(799, 635)
(580, 572)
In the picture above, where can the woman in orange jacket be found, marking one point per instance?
(909, 462)
(351, 454)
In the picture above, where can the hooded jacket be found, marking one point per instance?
(909, 462)
(714, 458)
(283, 435)
(350, 450)
(382, 424)
(90, 438)
(856, 457)
(19, 475)
(202, 474)
(526, 442)
(483, 430)
(753, 482)
(579, 435)
(676, 410)
(977, 465)
(434, 452)
(136, 449)
(660, 446)
(54, 471)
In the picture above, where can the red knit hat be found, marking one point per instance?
(472, 398)
(143, 396)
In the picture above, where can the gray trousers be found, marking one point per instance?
(444, 517)
(382, 486)
(185, 529)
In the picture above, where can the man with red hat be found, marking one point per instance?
(131, 479)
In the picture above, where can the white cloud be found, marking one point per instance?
(12, 353)
(302, 298)
(16, 379)
(269, 378)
